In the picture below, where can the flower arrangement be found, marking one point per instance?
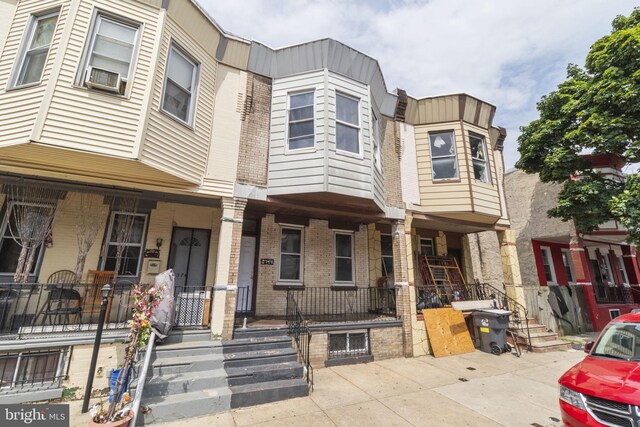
(100, 414)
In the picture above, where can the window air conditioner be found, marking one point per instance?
(97, 78)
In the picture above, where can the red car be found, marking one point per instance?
(604, 389)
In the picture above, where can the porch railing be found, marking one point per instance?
(613, 294)
(345, 305)
(243, 301)
(193, 305)
(34, 370)
(45, 308)
(299, 331)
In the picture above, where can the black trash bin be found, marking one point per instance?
(491, 327)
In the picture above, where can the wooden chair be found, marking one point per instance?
(62, 277)
(96, 279)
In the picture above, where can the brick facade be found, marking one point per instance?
(391, 163)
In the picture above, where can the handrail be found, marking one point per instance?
(135, 406)
(299, 330)
(520, 313)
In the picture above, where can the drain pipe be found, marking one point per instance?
(135, 407)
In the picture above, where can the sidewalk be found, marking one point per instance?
(475, 389)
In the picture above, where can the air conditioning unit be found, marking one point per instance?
(97, 78)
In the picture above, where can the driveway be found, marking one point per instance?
(475, 389)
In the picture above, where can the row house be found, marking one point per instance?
(575, 281)
(267, 179)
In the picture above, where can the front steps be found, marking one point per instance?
(262, 367)
(542, 339)
(185, 379)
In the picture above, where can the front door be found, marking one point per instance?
(245, 274)
(188, 258)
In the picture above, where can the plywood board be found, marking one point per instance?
(447, 331)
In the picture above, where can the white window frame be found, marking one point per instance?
(552, 267)
(607, 270)
(351, 125)
(6, 234)
(25, 48)
(612, 311)
(476, 159)
(337, 354)
(383, 256)
(174, 48)
(566, 257)
(141, 245)
(454, 155)
(430, 239)
(351, 282)
(100, 15)
(289, 122)
(289, 282)
(623, 270)
(376, 142)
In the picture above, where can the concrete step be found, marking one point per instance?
(255, 344)
(265, 392)
(260, 357)
(179, 364)
(186, 405)
(184, 382)
(187, 335)
(546, 346)
(537, 337)
(189, 348)
(241, 333)
(264, 373)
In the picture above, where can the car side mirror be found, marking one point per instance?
(588, 346)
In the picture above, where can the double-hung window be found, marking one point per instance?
(444, 163)
(607, 269)
(386, 248)
(36, 49)
(481, 170)
(375, 136)
(300, 116)
(344, 258)
(181, 79)
(112, 48)
(547, 262)
(623, 271)
(347, 124)
(426, 246)
(291, 255)
(568, 265)
(126, 230)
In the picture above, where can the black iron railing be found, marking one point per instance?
(345, 305)
(47, 308)
(244, 301)
(613, 294)
(519, 319)
(32, 370)
(299, 331)
(193, 305)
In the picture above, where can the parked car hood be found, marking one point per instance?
(611, 379)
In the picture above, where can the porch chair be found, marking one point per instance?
(63, 304)
(61, 277)
(96, 279)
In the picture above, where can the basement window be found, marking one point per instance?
(348, 344)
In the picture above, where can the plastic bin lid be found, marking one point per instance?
(495, 311)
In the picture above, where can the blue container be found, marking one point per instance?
(114, 380)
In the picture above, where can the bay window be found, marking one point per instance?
(347, 124)
(35, 49)
(300, 121)
(444, 162)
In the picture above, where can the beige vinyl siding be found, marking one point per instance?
(184, 14)
(237, 54)
(230, 93)
(101, 122)
(486, 199)
(19, 107)
(346, 174)
(442, 196)
(296, 171)
(169, 144)
(7, 9)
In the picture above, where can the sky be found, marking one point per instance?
(506, 52)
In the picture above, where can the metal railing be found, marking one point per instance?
(345, 305)
(519, 319)
(613, 294)
(193, 307)
(439, 295)
(47, 308)
(243, 301)
(298, 329)
(32, 370)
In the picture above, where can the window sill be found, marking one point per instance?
(177, 120)
(27, 86)
(446, 181)
(349, 154)
(306, 150)
(283, 286)
(124, 96)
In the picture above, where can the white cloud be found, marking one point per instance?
(506, 52)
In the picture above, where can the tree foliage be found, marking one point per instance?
(595, 110)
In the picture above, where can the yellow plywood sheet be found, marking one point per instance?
(447, 332)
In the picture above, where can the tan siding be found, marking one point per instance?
(7, 9)
(169, 144)
(187, 16)
(237, 54)
(120, 114)
(16, 128)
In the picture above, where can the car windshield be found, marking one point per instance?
(619, 341)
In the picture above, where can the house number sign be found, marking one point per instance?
(266, 261)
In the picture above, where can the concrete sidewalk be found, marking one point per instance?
(475, 389)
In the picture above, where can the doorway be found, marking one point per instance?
(244, 301)
(188, 258)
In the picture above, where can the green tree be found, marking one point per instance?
(596, 110)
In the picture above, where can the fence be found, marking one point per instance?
(299, 332)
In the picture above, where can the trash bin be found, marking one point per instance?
(491, 326)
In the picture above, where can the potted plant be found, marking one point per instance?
(118, 413)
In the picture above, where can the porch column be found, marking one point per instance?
(375, 255)
(441, 244)
(226, 279)
(580, 261)
(511, 265)
(403, 276)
